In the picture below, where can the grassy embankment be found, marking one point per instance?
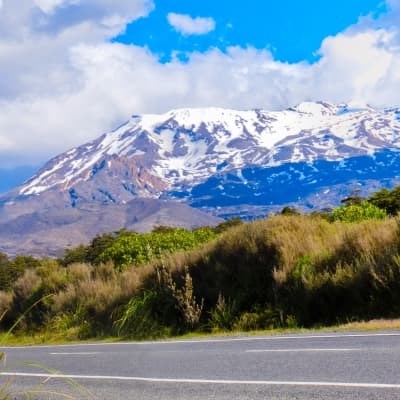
(284, 272)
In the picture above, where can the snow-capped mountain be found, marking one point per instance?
(226, 162)
(184, 147)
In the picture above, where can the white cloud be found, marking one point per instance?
(48, 6)
(354, 66)
(23, 18)
(186, 25)
(62, 84)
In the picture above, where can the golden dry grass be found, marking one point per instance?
(6, 299)
(372, 325)
(303, 268)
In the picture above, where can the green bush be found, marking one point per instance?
(388, 200)
(90, 254)
(133, 248)
(223, 315)
(283, 271)
(358, 212)
(138, 319)
(11, 270)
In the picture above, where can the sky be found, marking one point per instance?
(71, 70)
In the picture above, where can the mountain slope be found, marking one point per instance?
(172, 151)
(224, 162)
(47, 232)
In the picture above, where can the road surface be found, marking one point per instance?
(313, 366)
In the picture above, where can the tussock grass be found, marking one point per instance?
(372, 325)
(6, 299)
(298, 270)
(282, 272)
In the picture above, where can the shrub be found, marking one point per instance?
(79, 272)
(287, 270)
(358, 212)
(27, 284)
(6, 301)
(186, 300)
(263, 318)
(229, 223)
(138, 319)
(91, 296)
(222, 316)
(132, 248)
(10, 271)
(388, 200)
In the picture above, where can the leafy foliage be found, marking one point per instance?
(286, 270)
(388, 200)
(358, 212)
(91, 253)
(222, 316)
(138, 319)
(11, 270)
(289, 211)
(132, 248)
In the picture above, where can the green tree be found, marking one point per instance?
(74, 255)
(11, 270)
(353, 199)
(90, 253)
(98, 245)
(388, 200)
(22, 262)
(289, 211)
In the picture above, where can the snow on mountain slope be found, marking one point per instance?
(190, 167)
(184, 147)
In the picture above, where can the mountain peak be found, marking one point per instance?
(315, 108)
(358, 104)
(185, 146)
(226, 162)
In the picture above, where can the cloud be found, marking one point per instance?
(356, 65)
(35, 46)
(37, 70)
(186, 25)
(48, 6)
(64, 83)
(23, 18)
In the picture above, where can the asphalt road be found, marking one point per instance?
(322, 366)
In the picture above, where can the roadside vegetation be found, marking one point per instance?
(286, 271)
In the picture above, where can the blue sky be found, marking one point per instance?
(73, 69)
(292, 30)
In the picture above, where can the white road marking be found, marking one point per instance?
(296, 350)
(251, 339)
(217, 340)
(207, 381)
(76, 353)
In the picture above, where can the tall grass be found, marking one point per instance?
(7, 392)
(281, 271)
(301, 269)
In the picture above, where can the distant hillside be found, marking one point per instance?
(223, 163)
